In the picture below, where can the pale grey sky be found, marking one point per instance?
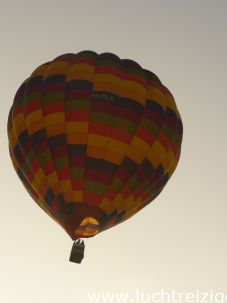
(185, 44)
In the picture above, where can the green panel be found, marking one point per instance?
(149, 126)
(61, 162)
(44, 157)
(77, 104)
(77, 173)
(168, 131)
(53, 98)
(31, 97)
(117, 184)
(133, 183)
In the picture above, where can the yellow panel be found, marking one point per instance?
(110, 87)
(68, 196)
(12, 138)
(118, 146)
(96, 151)
(80, 71)
(106, 205)
(97, 140)
(132, 211)
(39, 71)
(114, 157)
(77, 127)
(156, 95)
(35, 126)
(153, 158)
(57, 67)
(52, 178)
(123, 204)
(172, 168)
(118, 201)
(56, 188)
(120, 90)
(43, 186)
(135, 95)
(79, 138)
(66, 185)
(34, 116)
(129, 202)
(77, 196)
(170, 102)
(19, 128)
(35, 184)
(159, 149)
(140, 145)
(55, 129)
(55, 118)
(165, 162)
(128, 84)
(18, 119)
(39, 176)
(135, 86)
(135, 154)
(171, 156)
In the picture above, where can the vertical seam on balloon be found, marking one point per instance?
(24, 159)
(89, 115)
(139, 122)
(45, 131)
(173, 163)
(29, 137)
(157, 181)
(67, 147)
(109, 138)
(66, 100)
(129, 145)
(134, 208)
(35, 153)
(136, 129)
(138, 125)
(161, 177)
(33, 150)
(65, 91)
(17, 141)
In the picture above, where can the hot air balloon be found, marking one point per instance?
(94, 139)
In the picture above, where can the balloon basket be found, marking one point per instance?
(77, 252)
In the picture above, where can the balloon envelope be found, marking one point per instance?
(94, 139)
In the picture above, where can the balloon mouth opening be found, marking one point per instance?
(87, 228)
